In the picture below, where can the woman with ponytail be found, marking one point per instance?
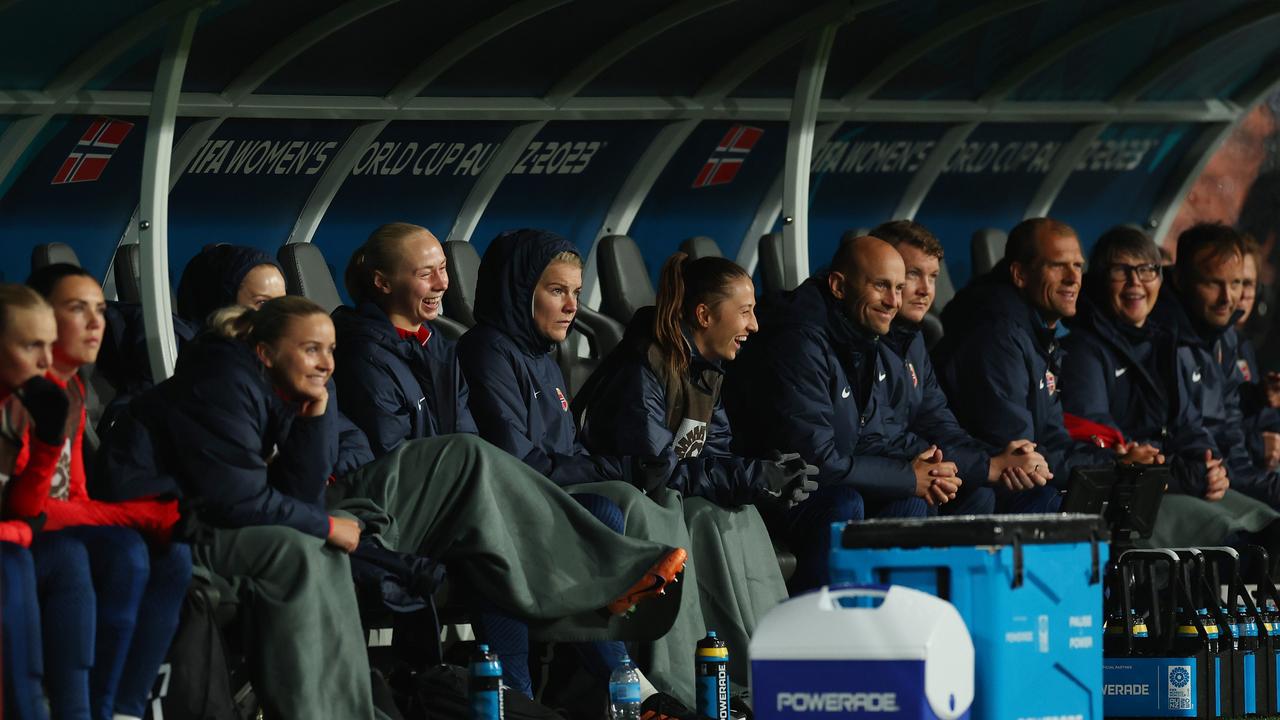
(658, 395)
(247, 432)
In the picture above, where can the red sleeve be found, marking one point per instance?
(77, 489)
(16, 532)
(149, 516)
(32, 474)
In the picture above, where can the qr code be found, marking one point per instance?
(1179, 687)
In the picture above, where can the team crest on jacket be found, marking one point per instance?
(1050, 382)
(1244, 369)
(564, 404)
(911, 369)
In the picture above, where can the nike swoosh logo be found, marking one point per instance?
(537, 394)
(845, 393)
(1195, 376)
(1121, 371)
(1041, 384)
(882, 376)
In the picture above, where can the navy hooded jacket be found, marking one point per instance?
(1130, 379)
(1211, 371)
(396, 389)
(623, 411)
(923, 408)
(212, 279)
(219, 434)
(518, 394)
(999, 365)
(812, 382)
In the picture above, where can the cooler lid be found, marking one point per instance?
(974, 530)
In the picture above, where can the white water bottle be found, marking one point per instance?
(624, 691)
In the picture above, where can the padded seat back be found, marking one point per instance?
(771, 264)
(463, 263)
(128, 273)
(945, 289)
(624, 279)
(986, 247)
(307, 274)
(700, 246)
(51, 254)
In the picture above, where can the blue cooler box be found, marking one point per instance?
(848, 652)
(1028, 587)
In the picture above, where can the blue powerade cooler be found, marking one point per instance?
(1028, 587)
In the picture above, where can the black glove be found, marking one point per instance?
(789, 477)
(47, 405)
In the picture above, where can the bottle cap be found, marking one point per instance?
(482, 647)
(626, 659)
(711, 633)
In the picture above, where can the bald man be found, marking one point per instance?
(1000, 360)
(812, 382)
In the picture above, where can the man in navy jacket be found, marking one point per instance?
(1000, 358)
(923, 406)
(812, 382)
(1203, 306)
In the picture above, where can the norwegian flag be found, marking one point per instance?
(726, 161)
(93, 151)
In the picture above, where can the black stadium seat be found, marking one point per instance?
(51, 253)
(986, 247)
(307, 274)
(771, 263)
(700, 246)
(463, 263)
(128, 273)
(624, 278)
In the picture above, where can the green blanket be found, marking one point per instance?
(1186, 521)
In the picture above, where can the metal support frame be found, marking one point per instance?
(930, 170)
(937, 38)
(771, 206)
(1194, 161)
(1144, 78)
(326, 188)
(1051, 53)
(482, 191)
(1064, 163)
(795, 178)
(634, 37)
(157, 319)
(85, 67)
(462, 45)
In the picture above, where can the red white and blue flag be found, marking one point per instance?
(93, 151)
(726, 161)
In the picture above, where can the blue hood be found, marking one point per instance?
(212, 279)
(508, 274)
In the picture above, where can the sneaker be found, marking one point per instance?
(653, 583)
(661, 706)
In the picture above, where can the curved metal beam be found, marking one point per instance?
(763, 51)
(633, 37)
(157, 317)
(1064, 163)
(482, 191)
(1195, 160)
(452, 52)
(1145, 77)
(771, 206)
(930, 170)
(631, 195)
(273, 60)
(795, 178)
(326, 188)
(1049, 54)
(85, 67)
(939, 37)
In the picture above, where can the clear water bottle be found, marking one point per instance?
(624, 691)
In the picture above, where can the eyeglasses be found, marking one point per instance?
(1144, 273)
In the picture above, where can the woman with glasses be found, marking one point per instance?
(1121, 371)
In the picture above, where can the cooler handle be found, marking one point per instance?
(828, 596)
